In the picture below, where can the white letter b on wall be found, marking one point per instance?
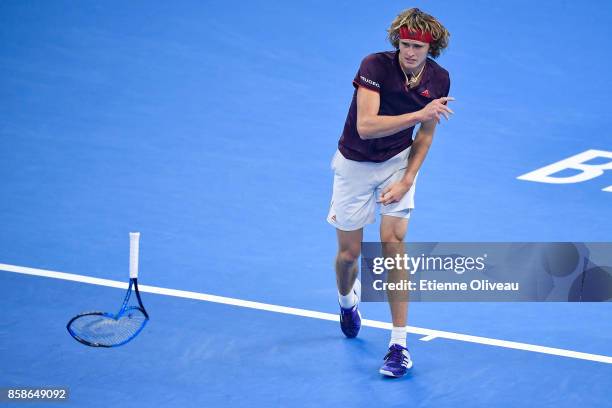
(577, 162)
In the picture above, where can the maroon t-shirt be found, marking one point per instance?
(382, 73)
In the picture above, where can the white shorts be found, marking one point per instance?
(359, 185)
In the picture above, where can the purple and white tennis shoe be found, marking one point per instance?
(350, 319)
(397, 362)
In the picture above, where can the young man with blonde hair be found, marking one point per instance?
(378, 161)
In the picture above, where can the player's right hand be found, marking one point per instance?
(436, 108)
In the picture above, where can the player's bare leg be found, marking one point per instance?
(349, 248)
(392, 233)
(398, 360)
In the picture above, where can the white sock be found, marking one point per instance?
(347, 301)
(398, 336)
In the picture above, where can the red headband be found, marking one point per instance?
(406, 34)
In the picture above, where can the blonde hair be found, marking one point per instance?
(416, 20)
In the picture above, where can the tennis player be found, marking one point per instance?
(378, 160)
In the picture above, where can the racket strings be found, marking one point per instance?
(107, 330)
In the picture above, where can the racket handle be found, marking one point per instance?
(134, 247)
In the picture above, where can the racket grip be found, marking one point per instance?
(134, 248)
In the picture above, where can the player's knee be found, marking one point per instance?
(349, 255)
(391, 236)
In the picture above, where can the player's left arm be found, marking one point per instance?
(418, 152)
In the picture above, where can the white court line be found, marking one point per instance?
(428, 338)
(428, 333)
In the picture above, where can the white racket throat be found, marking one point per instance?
(134, 248)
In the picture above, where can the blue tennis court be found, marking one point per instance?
(210, 126)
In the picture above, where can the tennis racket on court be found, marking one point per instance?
(101, 329)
